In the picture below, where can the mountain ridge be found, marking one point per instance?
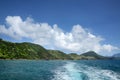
(116, 55)
(26, 50)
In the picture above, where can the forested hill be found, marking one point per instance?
(25, 50)
(9, 50)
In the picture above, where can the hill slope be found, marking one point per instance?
(116, 55)
(91, 55)
(59, 54)
(75, 56)
(24, 50)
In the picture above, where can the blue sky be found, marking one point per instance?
(99, 17)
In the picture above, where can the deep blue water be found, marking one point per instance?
(59, 70)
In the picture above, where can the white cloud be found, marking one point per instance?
(109, 47)
(77, 40)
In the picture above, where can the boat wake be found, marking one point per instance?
(74, 71)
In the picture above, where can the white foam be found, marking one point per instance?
(73, 71)
(67, 72)
(94, 73)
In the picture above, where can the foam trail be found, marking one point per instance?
(78, 71)
(72, 72)
(68, 72)
(95, 73)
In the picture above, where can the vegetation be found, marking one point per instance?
(92, 55)
(59, 55)
(75, 56)
(25, 50)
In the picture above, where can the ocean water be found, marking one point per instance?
(60, 70)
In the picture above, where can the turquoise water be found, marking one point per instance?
(59, 70)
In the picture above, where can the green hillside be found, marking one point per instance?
(75, 56)
(24, 50)
(59, 55)
(91, 55)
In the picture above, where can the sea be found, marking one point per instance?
(59, 69)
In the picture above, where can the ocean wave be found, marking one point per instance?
(75, 71)
(69, 72)
(95, 73)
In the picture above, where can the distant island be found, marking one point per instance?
(25, 50)
(116, 56)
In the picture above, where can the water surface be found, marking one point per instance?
(59, 70)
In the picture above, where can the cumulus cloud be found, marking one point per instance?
(77, 40)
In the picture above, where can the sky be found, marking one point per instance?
(75, 26)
